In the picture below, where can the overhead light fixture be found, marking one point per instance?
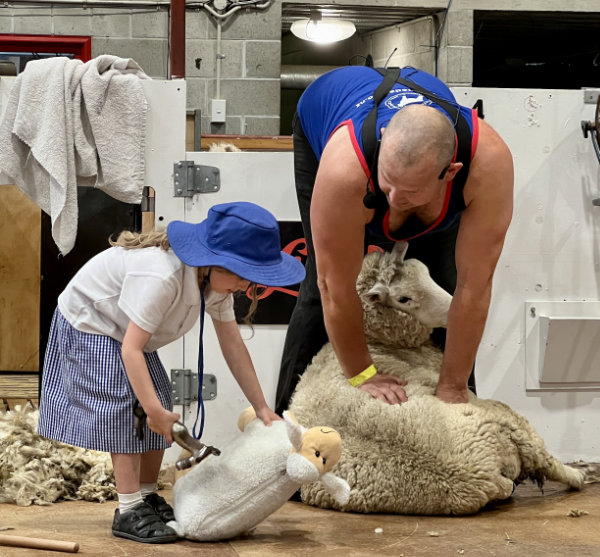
(322, 30)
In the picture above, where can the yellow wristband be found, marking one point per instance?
(363, 376)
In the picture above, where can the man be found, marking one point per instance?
(442, 180)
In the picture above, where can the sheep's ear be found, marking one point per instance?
(399, 250)
(295, 432)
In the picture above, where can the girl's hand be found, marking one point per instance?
(161, 421)
(267, 415)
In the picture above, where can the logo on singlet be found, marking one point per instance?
(403, 98)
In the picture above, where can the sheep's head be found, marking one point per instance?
(401, 302)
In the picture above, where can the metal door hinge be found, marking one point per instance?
(190, 178)
(184, 386)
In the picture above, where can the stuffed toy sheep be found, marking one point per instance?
(423, 456)
(255, 475)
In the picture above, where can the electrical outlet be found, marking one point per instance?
(218, 111)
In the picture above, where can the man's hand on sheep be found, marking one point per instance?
(386, 388)
(453, 395)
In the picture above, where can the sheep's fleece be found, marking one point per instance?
(423, 456)
(36, 470)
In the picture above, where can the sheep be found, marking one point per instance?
(254, 476)
(423, 456)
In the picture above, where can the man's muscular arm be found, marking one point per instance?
(483, 226)
(338, 219)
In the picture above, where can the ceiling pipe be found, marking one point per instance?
(177, 40)
(300, 77)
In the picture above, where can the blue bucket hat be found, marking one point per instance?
(240, 237)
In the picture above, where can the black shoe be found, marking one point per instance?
(162, 508)
(142, 524)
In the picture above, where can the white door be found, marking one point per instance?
(264, 178)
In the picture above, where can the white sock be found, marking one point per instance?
(129, 500)
(147, 489)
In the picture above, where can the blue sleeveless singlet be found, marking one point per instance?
(344, 97)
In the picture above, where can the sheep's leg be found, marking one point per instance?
(505, 488)
(559, 472)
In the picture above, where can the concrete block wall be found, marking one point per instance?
(250, 49)
(140, 34)
(413, 42)
(455, 54)
(250, 69)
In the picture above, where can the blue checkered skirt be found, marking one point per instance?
(86, 398)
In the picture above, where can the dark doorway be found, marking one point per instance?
(100, 216)
(549, 50)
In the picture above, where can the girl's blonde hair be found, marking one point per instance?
(159, 239)
(137, 240)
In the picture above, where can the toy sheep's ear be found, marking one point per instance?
(295, 431)
(336, 487)
(399, 250)
(246, 417)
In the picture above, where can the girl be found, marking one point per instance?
(118, 310)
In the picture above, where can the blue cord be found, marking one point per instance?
(200, 367)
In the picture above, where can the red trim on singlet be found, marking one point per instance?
(355, 145)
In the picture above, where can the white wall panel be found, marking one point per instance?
(551, 253)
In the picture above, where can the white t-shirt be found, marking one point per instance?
(149, 286)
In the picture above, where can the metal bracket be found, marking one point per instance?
(184, 386)
(590, 96)
(190, 178)
(147, 203)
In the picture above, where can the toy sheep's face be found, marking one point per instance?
(322, 446)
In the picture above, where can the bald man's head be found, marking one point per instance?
(417, 133)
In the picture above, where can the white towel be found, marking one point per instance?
(67, 124)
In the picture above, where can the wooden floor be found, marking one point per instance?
(530, 524)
